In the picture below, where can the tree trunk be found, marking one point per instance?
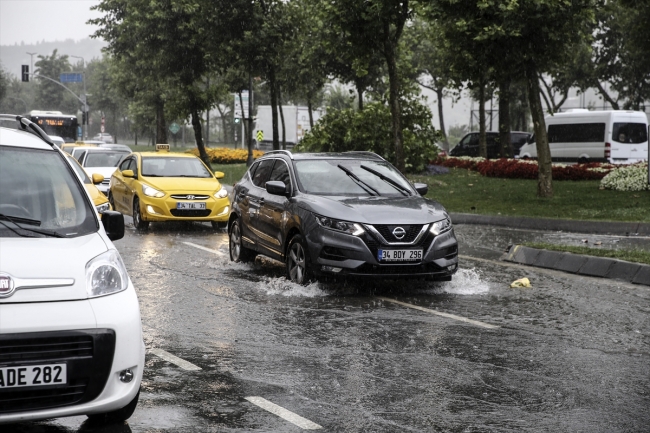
(445, 141)
(504, 119)
(198, 136)
(606, 95)
(243, 120)
(274, 108)
(249, 137)
(360, 90)
(482, 136)
(311, 114)
(395, 108)
(545, 176)
(161, 126)
(284, 129)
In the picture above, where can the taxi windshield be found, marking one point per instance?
(157, 166)
(41, 197)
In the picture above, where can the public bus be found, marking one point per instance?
(56, 123)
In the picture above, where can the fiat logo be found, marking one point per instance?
(399, 232)
(6, 285)
(190, 197)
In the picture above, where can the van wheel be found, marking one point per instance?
(298, 265)
(138, 223)
(116, 416)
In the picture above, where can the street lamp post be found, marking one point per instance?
(85, 99)
(31, 62)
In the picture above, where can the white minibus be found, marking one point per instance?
(615, 136)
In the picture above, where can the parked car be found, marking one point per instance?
(615, 136)
(70, 331)
(104, 136)
(340, 214)
(468, 145)
(97, 160)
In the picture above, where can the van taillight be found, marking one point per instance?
(608, 151)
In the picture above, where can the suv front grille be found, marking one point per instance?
(386, 231)
(88, 355)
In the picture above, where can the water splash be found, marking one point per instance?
(282, 286)
(464, 282)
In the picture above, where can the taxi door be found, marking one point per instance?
(123, 188)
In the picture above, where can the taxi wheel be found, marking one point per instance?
(238, 252)
(137, 216)
(298, 266)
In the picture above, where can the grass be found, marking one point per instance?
(638, 256)
(233, 172)
(466, 191)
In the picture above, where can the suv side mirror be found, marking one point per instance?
(113, 223)
(276, 187)
(421, 188)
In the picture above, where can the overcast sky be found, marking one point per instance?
(33, 21)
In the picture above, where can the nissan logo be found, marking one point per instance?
(399, 232)
(190, 197)
(6, 285)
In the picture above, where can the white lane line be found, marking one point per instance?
(439, 313)
(210, 250)
(283, 413)
(175, 360)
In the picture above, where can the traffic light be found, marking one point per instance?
(83, 117)
(25, 73)
(237, 119)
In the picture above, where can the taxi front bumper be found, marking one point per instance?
(167, 209)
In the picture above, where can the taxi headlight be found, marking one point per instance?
(441, 226)
(106, 274)
(103, 207)
(341, 226)
(222, 193)
(152, 192)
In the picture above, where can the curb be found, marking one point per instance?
(549, 224)
(590, 266)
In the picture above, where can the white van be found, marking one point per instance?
(615, 136)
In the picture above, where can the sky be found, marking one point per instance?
(32, 21)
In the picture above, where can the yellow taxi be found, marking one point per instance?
(99, 199)
(164, 186)
(69, 147)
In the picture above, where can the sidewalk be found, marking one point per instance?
(573, 226)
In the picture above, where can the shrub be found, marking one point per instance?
(222, 155)
(370, 130)
(628, 178)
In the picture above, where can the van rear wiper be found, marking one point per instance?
(361, 183)
(18, 220)
(387, 179)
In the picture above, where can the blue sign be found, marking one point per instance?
(79, 131)
(72, 77)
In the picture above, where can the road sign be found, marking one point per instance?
(239, 113)
(174, 128)
(260, 135)
(71, 77)
(101, 129)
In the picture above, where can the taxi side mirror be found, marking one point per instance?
(128, 173)
(97, 178)
(113, 223)
(219, 174)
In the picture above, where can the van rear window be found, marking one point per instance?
(630, 133)
(577, 133)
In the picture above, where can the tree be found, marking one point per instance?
(49, 95)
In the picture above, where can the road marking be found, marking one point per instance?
(175, 360)
(438, 313)
(283, 413)
(210, 250)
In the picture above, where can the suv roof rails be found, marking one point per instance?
(366, 152)
(284, 152)
(27, 125)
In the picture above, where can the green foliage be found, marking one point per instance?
(370, 130)
(49, 95)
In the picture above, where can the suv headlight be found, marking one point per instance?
(441, 226)
(341, 226)
(106, 274)
(222, 193)
(152, 192)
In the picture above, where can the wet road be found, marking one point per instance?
(571, 354)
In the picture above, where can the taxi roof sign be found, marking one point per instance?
(162, 147)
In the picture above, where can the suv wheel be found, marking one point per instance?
(137, 216)
(298, 266)
(238, 252)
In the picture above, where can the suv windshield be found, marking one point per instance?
(40, 196)
(103, 159)
(325, 177)
(173, 167)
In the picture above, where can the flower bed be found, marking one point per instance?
(628, 178)
(527, 169)
(222, 155)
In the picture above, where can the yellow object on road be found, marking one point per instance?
(522, 282)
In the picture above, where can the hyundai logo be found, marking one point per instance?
(6, 285)
(190, 197)
(399, 232)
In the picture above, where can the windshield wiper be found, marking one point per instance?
(361, 183)
(14, 230)
(18, 220)
(387, 179)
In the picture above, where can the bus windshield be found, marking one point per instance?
(56, 123)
